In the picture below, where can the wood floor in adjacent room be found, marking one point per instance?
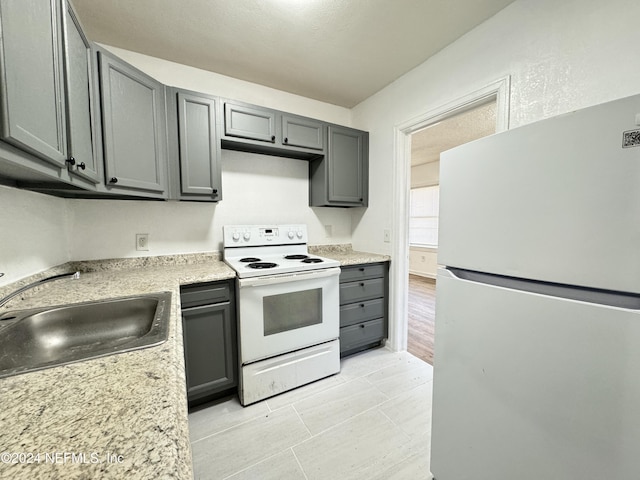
(422, 315)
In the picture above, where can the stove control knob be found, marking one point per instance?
(290, 234)
(236, 236)
(299, 234)
(246, 235)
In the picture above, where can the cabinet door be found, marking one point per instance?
(248, 122)
(346, 167)
(302, 132)
(199, 159)
(83, 160)
(134, 126)
(32, 112)
(209, 348)
(362, 335)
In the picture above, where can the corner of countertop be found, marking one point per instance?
(346, 255)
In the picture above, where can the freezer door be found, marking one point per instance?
(530, 386)
(556, 200)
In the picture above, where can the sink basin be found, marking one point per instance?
(48, 337)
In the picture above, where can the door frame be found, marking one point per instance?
(399, 272)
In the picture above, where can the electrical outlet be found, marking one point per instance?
(387, 235)
(142, 242)
(328, 231)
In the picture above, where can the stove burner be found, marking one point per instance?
(312, 260)
(262, 265)
(249, 259)
(296, 257)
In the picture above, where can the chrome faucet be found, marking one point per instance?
(73, 276)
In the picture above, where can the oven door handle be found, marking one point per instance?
(292, 277)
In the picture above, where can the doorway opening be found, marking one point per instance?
(407, 135)
(424, 190)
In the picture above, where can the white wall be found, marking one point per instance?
(561, 56)
(34, 233)
(183, 76)
(423, 261)
(256, 189)
(425, 175)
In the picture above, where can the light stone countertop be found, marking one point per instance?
(120, 416)
(126, 411)
(346, 255)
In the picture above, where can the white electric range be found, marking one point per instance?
(288, 309)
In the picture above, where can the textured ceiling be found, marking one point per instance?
(336, 51)
(429, 143)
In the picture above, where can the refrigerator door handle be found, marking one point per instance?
(610, 298)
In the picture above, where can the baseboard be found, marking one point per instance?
(421, 274)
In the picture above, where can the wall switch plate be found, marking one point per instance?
(142, 242)
(387, 236)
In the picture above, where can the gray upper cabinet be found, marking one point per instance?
(81, 128)
(302, 132)
(133, 128)
(194, 148)
(346, 165)
(249, 122)
(341, 178)
(261, 130)
(77, 121)
(33, 105)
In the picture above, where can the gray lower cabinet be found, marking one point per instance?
(194, 146)
(363, 306)
(82, 158)
(133, 128)
(32, 87)
(210, 340)
(341, 177)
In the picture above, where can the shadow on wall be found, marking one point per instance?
(256, 189)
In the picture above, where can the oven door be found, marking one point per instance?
(283, 313)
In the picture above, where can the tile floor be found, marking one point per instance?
(371, 421)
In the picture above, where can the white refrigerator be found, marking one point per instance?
(537, 343)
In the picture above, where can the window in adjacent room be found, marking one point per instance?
(423, 216)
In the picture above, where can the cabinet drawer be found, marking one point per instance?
(361, 272)
(361, 311)
(364, 290)
(204, 294)
(361, 334)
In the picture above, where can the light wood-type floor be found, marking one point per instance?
(372, 421)
(422, 315)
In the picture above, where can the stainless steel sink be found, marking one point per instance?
(48, 337)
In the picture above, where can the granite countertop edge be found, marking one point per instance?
(346, 255)
(126, 412)
(128, 407)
